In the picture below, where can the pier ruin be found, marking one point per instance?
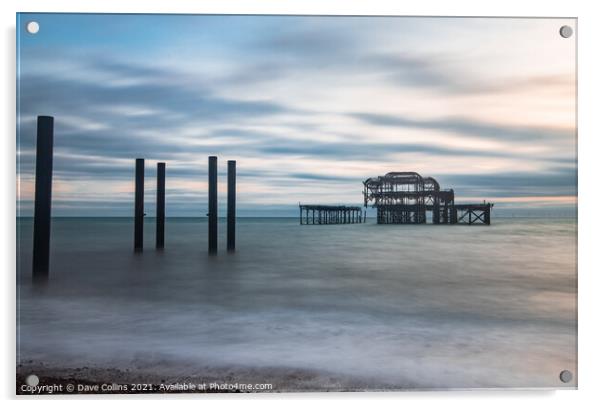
(407, 197)
(330, 214)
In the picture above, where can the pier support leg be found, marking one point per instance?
(160, 244)
(139, 206)
(43, 197)
(232, 205)
(212, 224)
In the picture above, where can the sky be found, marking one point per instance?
(309, 107)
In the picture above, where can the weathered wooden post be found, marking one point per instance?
(139, 206)
(160, 234)
(232, 205)
(43, 198)
(212, 205)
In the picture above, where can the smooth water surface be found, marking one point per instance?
(388, 305)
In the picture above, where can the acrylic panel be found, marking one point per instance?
(247, 203)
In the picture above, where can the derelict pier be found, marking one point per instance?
(330, 214)
(407, 197)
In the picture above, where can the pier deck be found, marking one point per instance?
(311, 214)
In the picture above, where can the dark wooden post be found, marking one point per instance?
(160, 235)
(232, 205)
(43, 198)
(139, 206)
(212, 204)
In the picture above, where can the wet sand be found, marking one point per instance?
(100, 380)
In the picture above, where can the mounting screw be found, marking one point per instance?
(566, 31)
(32, 27)
(32, 380)
(566, 376)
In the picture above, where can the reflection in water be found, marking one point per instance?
(431, 306)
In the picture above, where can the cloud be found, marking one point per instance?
(297, 50)
(368, 151)
(298, 103)
(463, 126)
(559, 181)
(61, 96)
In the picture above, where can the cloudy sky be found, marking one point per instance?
(308, 106)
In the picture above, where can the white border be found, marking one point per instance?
(590, 73)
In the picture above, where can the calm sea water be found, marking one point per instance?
(391, 306)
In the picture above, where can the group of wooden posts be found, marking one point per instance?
(211, 214)
(43, 198)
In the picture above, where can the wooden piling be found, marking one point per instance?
(231, 205)
(139, 206)
(160, 234)
(43, 198)
(212, 205)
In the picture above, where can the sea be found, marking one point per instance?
(376, 306)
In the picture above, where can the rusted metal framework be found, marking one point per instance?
(330, 214)
(406, 197)
(474, 213)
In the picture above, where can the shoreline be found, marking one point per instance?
(62, 380)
